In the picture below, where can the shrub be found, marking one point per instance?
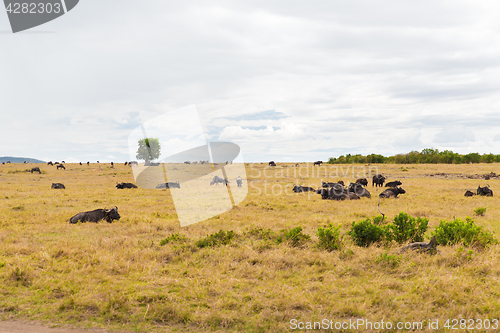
(329, 237)
(480, 211)
(219, 238)
(261, 233)
(173, 238)
(364, 233)
(465, 232)
(406, 228)
(294, 237)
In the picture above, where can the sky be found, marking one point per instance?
(285, 80)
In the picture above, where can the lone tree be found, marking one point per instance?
(149, 149)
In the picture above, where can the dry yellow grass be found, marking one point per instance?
(118, 276)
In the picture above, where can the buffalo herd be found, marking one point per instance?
(481, 191)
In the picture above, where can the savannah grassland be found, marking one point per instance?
(118, 276)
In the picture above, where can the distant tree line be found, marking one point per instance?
(427, 155)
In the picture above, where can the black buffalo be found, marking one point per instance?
(35, 169)
(359, 190)
(80, 163)
(362, 181)
(392, 192)
(88, 163)
(378, 180)
(469, 194)
(126, 163)
(299, 189)
(112, 165)
(58, 186)
(96, 215)
(169, 185)
(318, 162)
(272, 164)
(63, 161)
(395, 183)
(60, 166)
(216, 180)
(125, 185)
(50, 163)
(239, 181)
(484, 191)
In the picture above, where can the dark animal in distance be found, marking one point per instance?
(169, 185)
(112, 165)
(469, 194)
(300, 188)
(393, 184)
(378, 180)
(63, 161)
(362, 181)
(80, 163)
(126, 163)
(216, 180)
(55, 163)
(272, 164)
(239, 181)
(88, 163)
(392, 192)
(125, 185)
(96, 215)
(61, 166)
(318, 163)
(484, 191)
(58, 186)
(35, 169)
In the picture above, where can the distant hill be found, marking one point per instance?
(19, 159)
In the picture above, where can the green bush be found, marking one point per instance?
(219, 238)
(329, 237)
(389, 259)
(465, 232)
(406, 228)
(173, 238)
(364, 233)
(294, 237)
(480, 211)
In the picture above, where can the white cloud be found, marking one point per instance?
(455, 134)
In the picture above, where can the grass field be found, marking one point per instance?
(118, 276)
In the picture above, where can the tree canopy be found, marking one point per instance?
(149, 149)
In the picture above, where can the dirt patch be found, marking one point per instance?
(486, 176)
(11, 326)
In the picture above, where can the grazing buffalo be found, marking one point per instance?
(216, 180)
(362, 181)
(272, 164)
(378, 180)
(80, 163)
(126, 163)
(239, 182)
(112, 165)
(169, 185)
(88, 163)
(63, 161)
(318, 162)
(96, 215)
(395, 183)
(392, 192)
(187, 162)
(359, 190)
(58, 186)
(35, 169)
(469, 194)
(97, 162)
(484, 191)
(299, 189)
(61, 166)
(125, 185)
(55, 163)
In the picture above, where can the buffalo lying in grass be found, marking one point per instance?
(395, 183)
(485, 191)
(58, 186)
(169, 185)
(469, 194)
(125, 185)
(362, 181)
(96, 215)
(299, 189)
(359, 190)
(392, 192)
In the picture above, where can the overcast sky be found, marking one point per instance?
(286, 80)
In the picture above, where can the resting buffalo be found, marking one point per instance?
(58, 186)
(318, 162)
(272, 163)
(362, 181)
(359, 190)
(35, 169)
(125, 185)
(216, 180)
(484, 191)
(169, 185)
(96, 215)
(239, 182)
(393, 184)
(392, 192)
(378, 180)
(469, 194)
(60, 166)
(299, 189)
